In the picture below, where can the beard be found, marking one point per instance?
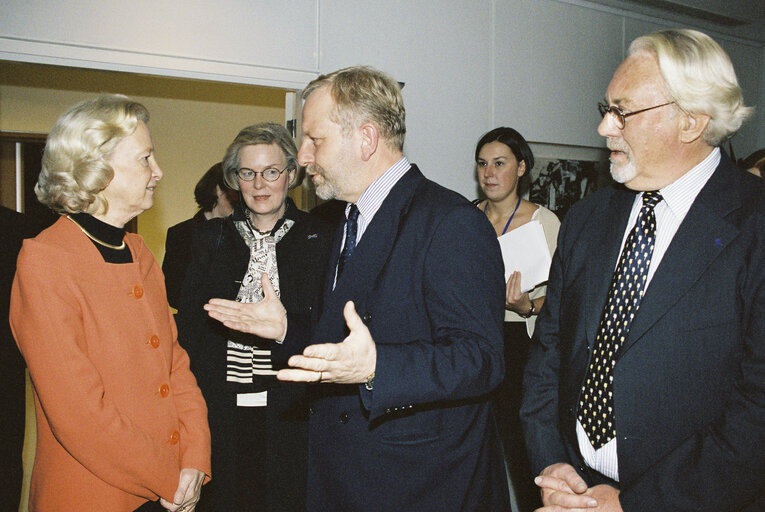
(622, 173)
(324, 188)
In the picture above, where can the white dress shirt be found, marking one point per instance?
(677, 198)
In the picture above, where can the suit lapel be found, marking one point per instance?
(610, 221)
(371, 253)
(702, 236)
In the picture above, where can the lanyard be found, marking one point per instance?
(511, 215)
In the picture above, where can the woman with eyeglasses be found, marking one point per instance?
(503, 163)
(258, 425)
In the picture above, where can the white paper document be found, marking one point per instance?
(525, 249)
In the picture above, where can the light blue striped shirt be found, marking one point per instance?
(372, 198)
(678, 198)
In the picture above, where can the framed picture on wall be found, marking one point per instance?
(563, 174)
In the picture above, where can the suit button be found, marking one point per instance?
(175, 436)
(367, 317)
(138, 291)
(164, 390)
(344, 418)
(154, 341)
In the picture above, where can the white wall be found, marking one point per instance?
(469, 65)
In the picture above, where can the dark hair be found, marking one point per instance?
(205, 193)
(517, 144)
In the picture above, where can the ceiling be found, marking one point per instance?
(741, 18)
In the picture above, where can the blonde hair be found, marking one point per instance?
(261, 133)
(74, 167)
(363, 94)
(699, 77)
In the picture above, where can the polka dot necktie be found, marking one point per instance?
(351, 228)
(596, 400)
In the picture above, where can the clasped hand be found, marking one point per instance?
(563, 490)
(187, 494)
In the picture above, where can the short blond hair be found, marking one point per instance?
(363, 94)
(699, 77)
(74, 165)
(261, 133)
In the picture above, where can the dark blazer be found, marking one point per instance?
(218, 264)
(689, 381)
(15, 227)
(177, 255)
(427, 279)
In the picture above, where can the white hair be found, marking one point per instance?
(700, 78)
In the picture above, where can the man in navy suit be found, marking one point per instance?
(686, 382)
(408, 341)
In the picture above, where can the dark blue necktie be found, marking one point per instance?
(351, 228)
(596, 399)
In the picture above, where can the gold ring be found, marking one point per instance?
(321, 376)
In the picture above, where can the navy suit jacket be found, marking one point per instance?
(427, 279)
(689, 381)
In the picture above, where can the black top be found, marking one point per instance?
(106, 233)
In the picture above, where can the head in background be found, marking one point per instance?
(503, 164)
(212, 194)
(261, 163)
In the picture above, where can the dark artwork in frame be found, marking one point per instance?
(562, 175)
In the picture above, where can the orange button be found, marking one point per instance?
(175, 436)
(164, 390)
(138, 291)
(154, 341)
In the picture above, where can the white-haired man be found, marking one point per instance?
(645, 387)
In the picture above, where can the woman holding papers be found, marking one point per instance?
(504, 162)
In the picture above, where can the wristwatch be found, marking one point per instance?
(532, 310)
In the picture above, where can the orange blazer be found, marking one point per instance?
(119, 412)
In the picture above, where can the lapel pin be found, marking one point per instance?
(313, 235)
(718, 242)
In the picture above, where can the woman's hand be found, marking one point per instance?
(187, 494)
(515, 300)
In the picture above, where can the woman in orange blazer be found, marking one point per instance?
(121, 422)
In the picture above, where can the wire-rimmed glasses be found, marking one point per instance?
(621, 116)
(268, 174)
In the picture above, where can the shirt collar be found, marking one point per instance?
(372, 198)
(680, 194)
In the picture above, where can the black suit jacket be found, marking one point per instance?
(689, 381)
(427, 279)
(178, 254)
(14, 227)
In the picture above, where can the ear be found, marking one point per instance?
(522, 168)
(291, 177)
(369, 140)
(692, 126)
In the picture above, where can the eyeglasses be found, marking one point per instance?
(269, 174)
(620, 116)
